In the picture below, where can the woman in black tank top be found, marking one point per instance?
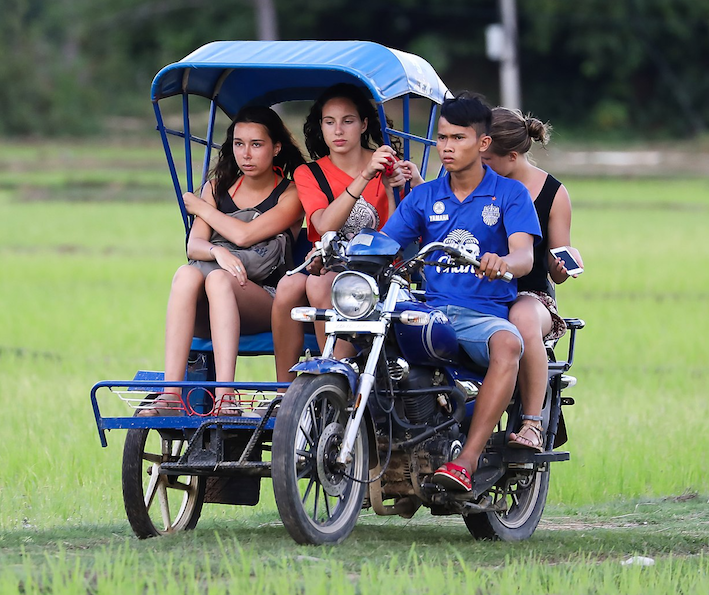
(254, 170)
(534, 311)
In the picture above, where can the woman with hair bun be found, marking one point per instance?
(534, 311)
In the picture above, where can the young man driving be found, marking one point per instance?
(494, 218)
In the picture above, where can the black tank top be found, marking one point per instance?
(538, 278)
(225, 203)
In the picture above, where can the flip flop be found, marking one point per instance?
(445, 476)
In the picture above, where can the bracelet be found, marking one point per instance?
(347, 189)
(366, 178)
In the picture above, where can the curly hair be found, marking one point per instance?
(371, 138)
(513, 131)
(226, 171)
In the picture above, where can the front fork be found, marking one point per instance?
(367, 377)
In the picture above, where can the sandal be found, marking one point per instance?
(453, 477)
(530, 435)
(161, 404)
(227, 407)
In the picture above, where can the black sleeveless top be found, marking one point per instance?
(538, 278)
(225, 203)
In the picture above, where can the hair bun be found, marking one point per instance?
(538, 131)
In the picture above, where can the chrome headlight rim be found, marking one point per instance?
(373, 295)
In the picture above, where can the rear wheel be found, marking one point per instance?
(158, 504)
(526, 499)
(318, 500)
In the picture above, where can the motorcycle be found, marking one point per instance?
(369, 431)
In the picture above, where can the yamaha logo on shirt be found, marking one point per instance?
(438, 208)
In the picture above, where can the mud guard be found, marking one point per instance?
(561, 435)
(321, 365)
(333, 366)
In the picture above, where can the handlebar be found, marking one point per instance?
(457, 253)
(328, 246)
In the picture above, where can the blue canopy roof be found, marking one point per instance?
(240, 73)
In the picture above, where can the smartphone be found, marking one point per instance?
(572, 267)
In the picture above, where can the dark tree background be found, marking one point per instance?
(604, 68)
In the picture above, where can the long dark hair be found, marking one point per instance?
(226, 172)
(371, 138)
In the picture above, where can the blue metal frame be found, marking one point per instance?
(174, 421)
(234, 74)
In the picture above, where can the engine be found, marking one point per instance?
(416, 387)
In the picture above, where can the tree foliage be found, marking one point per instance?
(606, 66)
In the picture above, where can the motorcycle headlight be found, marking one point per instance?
(354, 295)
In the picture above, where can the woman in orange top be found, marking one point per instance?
(342, 132)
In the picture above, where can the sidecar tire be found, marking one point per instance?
(139, 466)
(307, 422)
(522, 518)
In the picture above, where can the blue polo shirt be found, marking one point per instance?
(483, 222)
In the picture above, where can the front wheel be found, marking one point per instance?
(526, 499)
(318, 500)
(158, 504)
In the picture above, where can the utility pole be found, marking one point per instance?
(501, 44)
(266, 20)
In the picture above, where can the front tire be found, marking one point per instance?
(318, 501)
(526, 500)
(158, 504)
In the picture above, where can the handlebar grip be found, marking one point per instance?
(507, 277)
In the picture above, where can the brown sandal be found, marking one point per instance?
(530, 435)
(161, 404)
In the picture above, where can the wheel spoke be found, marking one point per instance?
(305, 434)
(152, 457)
(164, 506)
(327, 505)
(305, 472)
(324, 412)
(307, 490)
(152, 486)
(177, 447)
(314, 420)
(515, 498)
(315, 504)
(184, 487)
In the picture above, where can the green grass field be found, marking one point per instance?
(86, 268)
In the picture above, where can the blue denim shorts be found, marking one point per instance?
(475, 329)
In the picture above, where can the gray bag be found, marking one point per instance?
(259, 260)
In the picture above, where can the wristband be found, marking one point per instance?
(347, 189)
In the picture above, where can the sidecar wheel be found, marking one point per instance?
(318, 501)
(526, 501)
(158, 504)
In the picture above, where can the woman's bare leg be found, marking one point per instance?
(185, 292)
(533, 321)
(288, 334)
(233, 310)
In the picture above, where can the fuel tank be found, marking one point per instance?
(434, 343)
